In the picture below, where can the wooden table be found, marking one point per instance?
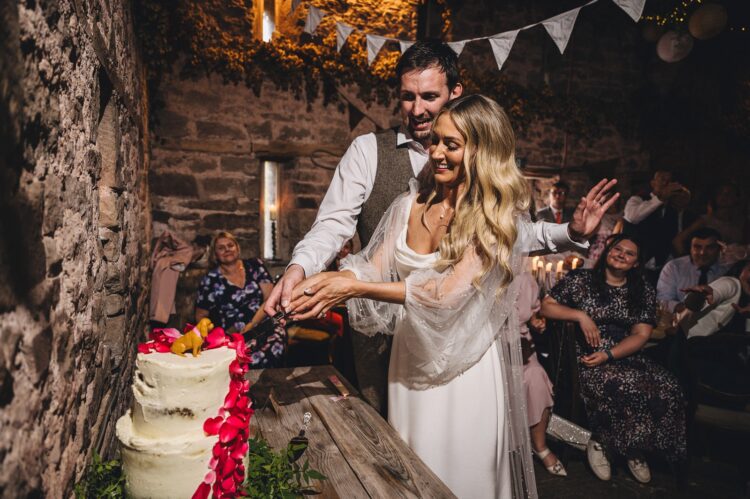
(350, 443)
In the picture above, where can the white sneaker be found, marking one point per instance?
(640, 470)
(598, 460)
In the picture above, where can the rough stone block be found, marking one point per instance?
(173, 184)
(110, 207)
(229, 221)
(239, 164)
(201, 165)
(208, 129)
(171, 124)
(223, 187)
(113, 305)
(306, 202)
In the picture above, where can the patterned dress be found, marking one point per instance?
(232, 307)
(633, 404)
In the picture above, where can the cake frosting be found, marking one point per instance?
(165, 453)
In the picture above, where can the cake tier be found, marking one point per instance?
(174, 395)
(163, 468)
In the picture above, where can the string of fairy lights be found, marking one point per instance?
(680, 14)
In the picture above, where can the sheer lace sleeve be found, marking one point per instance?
(375, 263)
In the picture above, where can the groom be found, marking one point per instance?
(377, 168)
(374, 170)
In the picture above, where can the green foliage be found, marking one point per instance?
(101, 480)
(273, 474)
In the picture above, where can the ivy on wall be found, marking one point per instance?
(216, 37)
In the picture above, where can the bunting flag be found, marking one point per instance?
(342, 33)
(374, 44)
(314, 16)
(458, 47)
(560, 27)
(404, 45)
(501, 45)
(634, 8)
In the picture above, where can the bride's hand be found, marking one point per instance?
(315, 296)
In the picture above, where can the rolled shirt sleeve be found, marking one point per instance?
(336, 221)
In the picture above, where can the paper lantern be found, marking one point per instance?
(708, 21)
(674, 46)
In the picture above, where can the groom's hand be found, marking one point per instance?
(591, 209)
(282, 292)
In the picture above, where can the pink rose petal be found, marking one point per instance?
(212, 426)
(202, 491)
(227, 433)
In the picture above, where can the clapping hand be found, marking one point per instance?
(591, 209)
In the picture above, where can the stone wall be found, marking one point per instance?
(74, 235)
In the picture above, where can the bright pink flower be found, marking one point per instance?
(145, 347)
(215, 339)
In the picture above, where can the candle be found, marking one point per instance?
(574, 263)
(533, 263)
(559, 269)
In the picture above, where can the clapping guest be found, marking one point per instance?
(633, 405)
(232, 293)
(652, 218)
(536, 382)
(701, 266)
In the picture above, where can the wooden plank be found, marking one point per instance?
(385, 465)
(278, 429)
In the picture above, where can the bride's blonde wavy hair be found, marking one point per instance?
(493, 193)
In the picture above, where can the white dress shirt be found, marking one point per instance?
(637, 208)
(726, 292)
(351, 186)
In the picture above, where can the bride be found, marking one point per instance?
(438, 275)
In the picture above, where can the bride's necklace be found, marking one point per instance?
(442, 222)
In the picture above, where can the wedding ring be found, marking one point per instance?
(307, 292)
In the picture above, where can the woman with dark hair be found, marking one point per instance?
(633, 405)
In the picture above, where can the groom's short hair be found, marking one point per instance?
(428, 54)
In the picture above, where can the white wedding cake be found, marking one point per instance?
(165, 453)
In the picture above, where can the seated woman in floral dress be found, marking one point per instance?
(232, 295)
(634, 406)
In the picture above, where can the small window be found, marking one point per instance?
(269, 19)
(269, 209)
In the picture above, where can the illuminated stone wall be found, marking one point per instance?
(74, 236)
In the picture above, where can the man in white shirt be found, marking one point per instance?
(654, 220)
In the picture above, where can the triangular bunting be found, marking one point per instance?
(404, 45)
(560, 27)
(342, 33)
(634, 8)
(501, 45)
(314, 16)
(374, 44)
(458, 47)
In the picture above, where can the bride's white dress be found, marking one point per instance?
(455, 379)
(456, 428)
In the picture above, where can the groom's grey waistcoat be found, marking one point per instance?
(372, 353)
(391, 179)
